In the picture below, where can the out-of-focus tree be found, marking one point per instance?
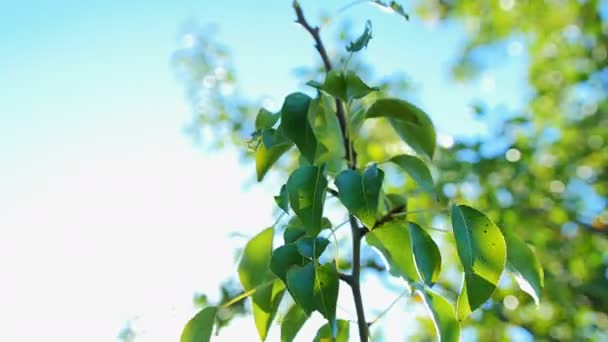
(546, 182)
(550, 183)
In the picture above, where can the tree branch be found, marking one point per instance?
(351, 158)
(350, 153)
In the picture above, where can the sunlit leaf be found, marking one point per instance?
(362, 41)
(426, 254)
(283, 258)
(325, 333)
(265, 303)
(324, 122)
(524, 265)
(395, 201)
(282, 200)
(482, 252)
(417, 169)
(292, 323)
(266, 119)
(265, 156)
(200, 327)
(295, 124)
(254, 271)
(444, 317)
(255, 262)
(360, 193)
(312, 248)
(306, 188)
(392, 239)
(410, 122)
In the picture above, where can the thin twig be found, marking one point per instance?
(406, 291)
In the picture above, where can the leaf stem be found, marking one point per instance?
(406, 291)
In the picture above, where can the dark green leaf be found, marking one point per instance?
(326, 289)
(417, 169)
(308, 246)
(393, 240)
(360, 193)
(306, 188)
(283, 258)
(301, 285)
(292, 323)
(410, 122)
(426, 254)
(524, 265)
(482, 252)
(265, 157)
(325, 333)
(200, 327)
(282, 200)
(295, 125)
(265, 119)
(443, 315)
(363, 39)
(393, 6)
(294, 230)
(345, 86)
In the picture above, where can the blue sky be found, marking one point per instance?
(107, 211)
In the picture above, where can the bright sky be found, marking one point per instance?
(108, 213)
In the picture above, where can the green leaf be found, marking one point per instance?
(254, 270)
(393, 6)
(410, 122)
(525, 267)
(363, 39)
(200, 327)
(325, 333)
(395, 200)
(326, 290)
(295, 125)
(266, 156)
(292, 323)
(301, 282)
(326, 127)
(360, 193)
(266, 119)
(282, 200)
(312, 248)
(306, 188)
(393, 241)
(417, 169)
(283, 258)
(256, 260)
(315, 287)
(294, 230)
(265, 303)
(426, 254)
(345, 86)
(443, 316)
(482, 252)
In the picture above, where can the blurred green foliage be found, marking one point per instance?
(547, 181)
